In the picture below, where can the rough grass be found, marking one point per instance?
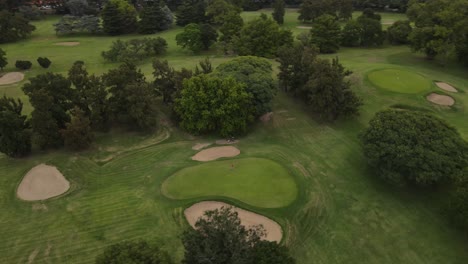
(342, 213)
(254, 181)
(400, 81)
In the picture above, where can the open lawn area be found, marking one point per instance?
(309, 176)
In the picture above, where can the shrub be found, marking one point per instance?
(44, 62)
(23, 65)
(414, 147)
(135, 49)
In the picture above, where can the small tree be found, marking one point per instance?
(414, 147)
(230, 29)
(372, 33)
(351, 34)
(77, 134)
(3, 59)
(399, 32)
(44, 62)
(23, 65)
(326, 34)
(139, 252)
(197, 37)
(278, 11)
(15, 134)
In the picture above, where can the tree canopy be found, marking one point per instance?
(119, 17)
(326, 33)
(197, 37)
(134, 252)
(413, 147)
(3, 59)
(15, 134)
(13, 27)
(154, 17)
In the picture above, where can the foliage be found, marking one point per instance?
(414, 147)
(220, 237)
(197, 37)
(13, 27)
(210, 104)
(326, 34)
(119, 17)
(78, 24)
(77, 134)
(312, 9)
(3, 59)
(261, 37)
(168, 81)
(218, 10)
(458, 204)
(78, 7)
(256, 74)
(278, 11)
(345, 9)
(140, 102)
(399, 32)
(230, 29)
(372, 33)
(15, 135)
(44, 62)
(328, 93)
(191, 11)
(134, 50)
(137, 252)
(351, 34)
(30, 12)
(23, 65)
(154, 17)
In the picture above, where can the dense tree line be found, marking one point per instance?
(14, 26)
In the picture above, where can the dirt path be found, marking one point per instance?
(67, 44)
(11, 77)
(216, 153)
(447, 87)
(440, 99)
(273, 229)
(42, 182)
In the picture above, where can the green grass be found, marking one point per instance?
(254, 181)
(400, 81)
(342, 213)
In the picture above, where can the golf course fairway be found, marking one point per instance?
(255, 181)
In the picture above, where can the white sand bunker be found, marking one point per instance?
(199, 146)
(11, 77)
(42, 182)
(447, 87)
(440, 99)
(248, 219)
(67, 44)
(216, 153)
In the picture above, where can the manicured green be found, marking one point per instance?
(399, 81)
(258, 182)
(342, 214)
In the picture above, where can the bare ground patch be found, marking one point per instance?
(67, 43)
(199, 146)
(42, 182)
(216, 153)
(11, 78)
(439, 99)
(447, 87)
(248, 219)
(266, 117)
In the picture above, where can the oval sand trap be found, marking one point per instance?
(216, 153)
(440, 99)
(248, 219)
(67, 44)
(199, 146)
(42, 182)
(11, 77)
(447, 87)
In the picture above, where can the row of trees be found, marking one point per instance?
(409, 148)
(218, 237)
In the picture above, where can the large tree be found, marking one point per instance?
(371, 33)
(278, 11)
(77, 134)
(256, 74)
(3, 59)
(15, 134)
(211, 104)
(141, 106)
(399, 32)
(191, 11)
(197, 37)
(326, 34)
(230, 29)
(262, 37)
(153, 18)
(220, 237)
(312, 9)
(134, 252)
(168, 81)
(13, 27)
(414, 147)
(119, 17)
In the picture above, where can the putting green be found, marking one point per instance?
(255, 181)
(399, 81)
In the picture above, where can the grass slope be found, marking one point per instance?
(342, 213)
(254, 181)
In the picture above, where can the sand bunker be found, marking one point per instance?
(447, 87)
(68, 44)
(440, 99)
(42, 182)
(216, 153)
(11, 77)
(199, 146)
(248, 219)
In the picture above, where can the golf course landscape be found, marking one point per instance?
(309, 176)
